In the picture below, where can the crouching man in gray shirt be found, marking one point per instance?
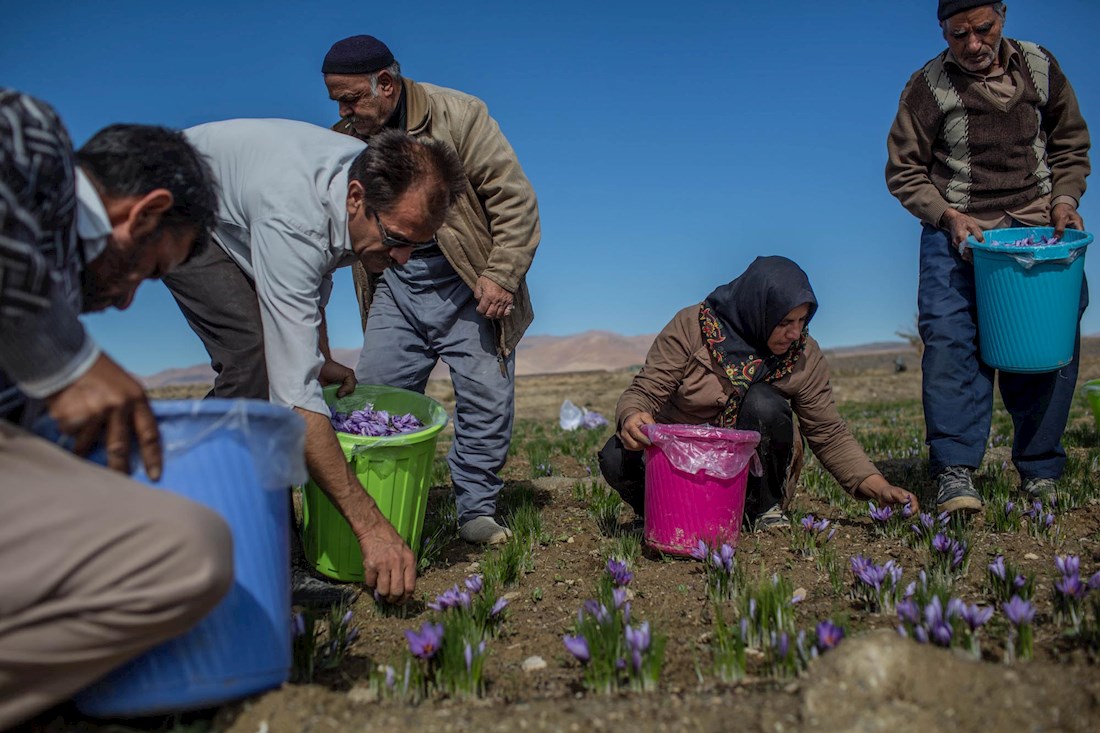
(298, 202)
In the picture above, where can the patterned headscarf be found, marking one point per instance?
(738, 318)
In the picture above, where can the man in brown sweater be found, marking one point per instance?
(988, 135)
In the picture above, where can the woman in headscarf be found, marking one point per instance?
(743, 359)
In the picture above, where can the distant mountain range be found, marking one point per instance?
(591, 350)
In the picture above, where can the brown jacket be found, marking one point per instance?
(493, 229)
(680, 383)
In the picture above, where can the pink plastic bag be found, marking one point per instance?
(719, 452)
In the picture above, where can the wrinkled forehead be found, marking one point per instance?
(347, 83)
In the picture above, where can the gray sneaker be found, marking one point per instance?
(772, 519)
(956, 491)
(1038, 488)
(484, 531)
(306, 590)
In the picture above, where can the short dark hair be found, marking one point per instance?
(394, 162)
(133, 160)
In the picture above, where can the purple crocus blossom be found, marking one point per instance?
(907, 510)
(1071, 586)
(451, 598)
(618, 597)
(1067, 564)
(1018, 611)
(700, 552)
(468, 655)
(880, 514)
(638, 639)
(997, 567)
(425, 643)
(619, 573)
(597, 611)
(920, 634)
(783, 645)
(828, 635)
(1094, 581)
(299, 624)
(391, 677)
(371, 422)
(908, 611)
(474, 583)
(577, 646)
(498, 607)
(976, 616)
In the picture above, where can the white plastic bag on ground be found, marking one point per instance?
(570, 416)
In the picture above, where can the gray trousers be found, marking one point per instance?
(423, 312)
(97, 569)
(219, 302)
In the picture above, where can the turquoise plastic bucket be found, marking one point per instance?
(238, 457)
(1028, 298)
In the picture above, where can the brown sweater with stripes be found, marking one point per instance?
(954, 144)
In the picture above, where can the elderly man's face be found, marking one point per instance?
(366, 113)
(974, 37)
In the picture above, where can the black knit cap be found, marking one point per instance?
(357, 55)
(951, 7)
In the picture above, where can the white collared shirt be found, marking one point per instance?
(282, 217)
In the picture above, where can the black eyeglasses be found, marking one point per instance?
(388, 240)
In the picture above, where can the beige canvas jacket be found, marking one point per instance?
(493, 229)
(680, 383)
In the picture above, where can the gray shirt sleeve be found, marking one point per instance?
(289, 269)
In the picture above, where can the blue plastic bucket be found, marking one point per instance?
(1028, 298)
(238, 457)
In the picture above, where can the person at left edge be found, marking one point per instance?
(298, 202)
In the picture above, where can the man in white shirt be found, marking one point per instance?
(297, 202)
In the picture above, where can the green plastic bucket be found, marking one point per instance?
(1091, 389)
(395, 470)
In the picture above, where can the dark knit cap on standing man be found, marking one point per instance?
(988, 135)
(463, 301)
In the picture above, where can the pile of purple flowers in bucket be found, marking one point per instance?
(449, 654)
(374, 423)
(614, 653)
(1033, 241)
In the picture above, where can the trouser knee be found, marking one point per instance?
(624, 471)
(199, 561)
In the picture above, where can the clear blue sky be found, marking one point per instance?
(669, 143)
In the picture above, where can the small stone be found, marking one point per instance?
(362, 695)
(533, 664)
(473, 567)
(1031, 556)
(511, 596)
(799, 595)
(570, 540)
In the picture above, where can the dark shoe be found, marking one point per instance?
(772, 519)
(1038, 488)
(956, 491)
(306, 590)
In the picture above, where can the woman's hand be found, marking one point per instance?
(631, 432)
(876, 488)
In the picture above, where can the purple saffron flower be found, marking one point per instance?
(726, 553)
(299, 624)
(468, 655)
(880, 514)
(346, 619)
(498, 607)
(821, 525)
(828, 635)
(577, 646)
(1094, 581)
(451, 598)
(597, 611)
(859, 563)
(941, 543)
(1010, 506)
(1071, 586)
(1068, 564)
(744, 629)
(618, 597)
(783, 645)
(620, 574)
(808, 522)
(425, 643)
(997, 567)
(976, 616)
(700, 552)
(908, 612)
(1019, 581)
(907, 510)
(638, 639)
(954, 607)
(941, 634)
(474, 583)
(391, 677)
(920, 634)
(1018, 611)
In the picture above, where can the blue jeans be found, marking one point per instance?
(957, 387)
(423, 312)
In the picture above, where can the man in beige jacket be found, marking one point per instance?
(465, 300)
